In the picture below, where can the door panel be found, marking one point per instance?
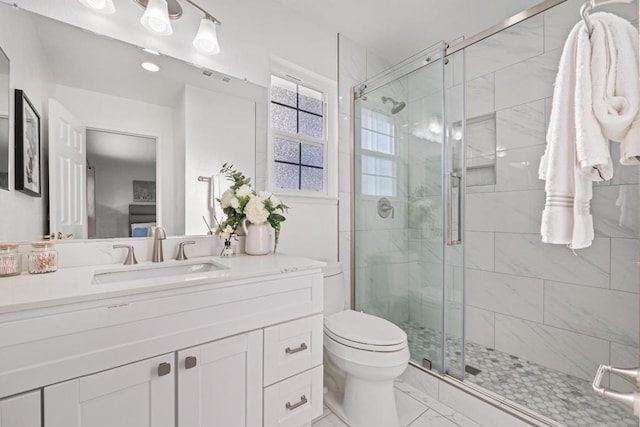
(220, 383)
(135, 395)
(21, 411)
(67, 169)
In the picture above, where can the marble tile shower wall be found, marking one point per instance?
(533, 300)
(382, 243)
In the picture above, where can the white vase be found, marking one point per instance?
(257, 238)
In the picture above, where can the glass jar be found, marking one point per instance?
(10, 260)
(43, 258)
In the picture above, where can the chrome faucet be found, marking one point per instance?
(159, 234)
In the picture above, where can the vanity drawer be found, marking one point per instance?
(294, 402)
(291, 348)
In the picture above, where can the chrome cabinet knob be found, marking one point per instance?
(190, 362)
(164, 369)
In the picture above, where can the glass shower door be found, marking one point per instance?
(405, 202)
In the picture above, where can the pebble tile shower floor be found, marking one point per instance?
(561, 397)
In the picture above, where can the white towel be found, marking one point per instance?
(615, 84)
(595, 99)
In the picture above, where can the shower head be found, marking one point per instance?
(397, 106)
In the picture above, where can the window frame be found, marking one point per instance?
(328, 89)
(298, 137)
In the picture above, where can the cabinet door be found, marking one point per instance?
(21, 411)
(220, 383)
(140, 394)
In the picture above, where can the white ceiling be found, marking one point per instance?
(397, 29)
(121, 148)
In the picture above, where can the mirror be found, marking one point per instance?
(91, 88)
(4, 121)
(115, 163)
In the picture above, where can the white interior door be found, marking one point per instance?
(67, 172)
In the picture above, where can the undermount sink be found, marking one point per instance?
(153, 271)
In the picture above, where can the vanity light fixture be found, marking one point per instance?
(102, 6)
(150, 66)
(157, 16)
(206, 40)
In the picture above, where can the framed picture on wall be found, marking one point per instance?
(27, 146)
(144, 191)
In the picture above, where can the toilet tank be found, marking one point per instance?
(334, 293)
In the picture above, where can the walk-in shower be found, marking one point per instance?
(460, 265)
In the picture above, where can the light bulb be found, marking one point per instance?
(206, 40)
(156, 17)
(150, 66)
(102, 6)
(97, 4)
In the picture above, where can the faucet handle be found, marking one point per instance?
(131, 256)
(181, 255)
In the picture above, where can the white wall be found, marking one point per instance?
(219, 129)
(179, 135)
(310, 228)
(253, 32)
(114, 193)
(24, 217)
(138, 118)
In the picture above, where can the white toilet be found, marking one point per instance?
(364, 354)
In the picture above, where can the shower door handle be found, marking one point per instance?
(453, 176)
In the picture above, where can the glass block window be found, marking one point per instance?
(378, 170)
(298, 125)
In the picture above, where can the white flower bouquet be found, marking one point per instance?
(241, 202)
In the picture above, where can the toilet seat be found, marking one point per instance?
(364, 332)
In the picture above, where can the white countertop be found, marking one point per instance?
(71, 285)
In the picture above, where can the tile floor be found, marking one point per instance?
(561, 397)
(415, 409)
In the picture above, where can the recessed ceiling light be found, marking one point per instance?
(150, 66)
(152, 52)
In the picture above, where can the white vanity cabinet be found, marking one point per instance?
(140, 394)
(244, 352)
(21, 411)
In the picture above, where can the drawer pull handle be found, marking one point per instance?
(303, 400)
(164, 369)
(190, 362)
(290, 350)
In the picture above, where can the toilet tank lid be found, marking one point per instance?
(332, 268)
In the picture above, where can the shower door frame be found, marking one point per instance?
(427, 58)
